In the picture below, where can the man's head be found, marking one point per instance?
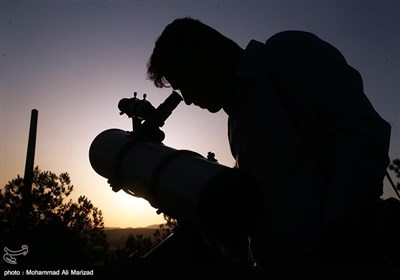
(197, 60)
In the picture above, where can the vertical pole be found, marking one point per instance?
(26, 202)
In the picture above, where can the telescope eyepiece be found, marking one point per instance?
(164, 110)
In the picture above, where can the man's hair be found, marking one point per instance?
(184, 40)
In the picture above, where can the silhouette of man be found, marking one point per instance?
(299, 122)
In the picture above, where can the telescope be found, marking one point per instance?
(220, 201)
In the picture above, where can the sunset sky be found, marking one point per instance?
(74, 60)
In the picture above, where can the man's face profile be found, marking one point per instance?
(198, 84)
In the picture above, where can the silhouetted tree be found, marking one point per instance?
(136, 246)
(58, 232)
(164, 230)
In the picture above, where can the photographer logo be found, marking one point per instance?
(10, 255)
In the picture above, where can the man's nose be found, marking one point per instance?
(186, 98)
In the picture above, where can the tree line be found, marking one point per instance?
(62, 232)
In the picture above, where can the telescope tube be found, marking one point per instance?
(181, 183)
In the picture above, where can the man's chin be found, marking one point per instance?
(214, 110)
(211, 109)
